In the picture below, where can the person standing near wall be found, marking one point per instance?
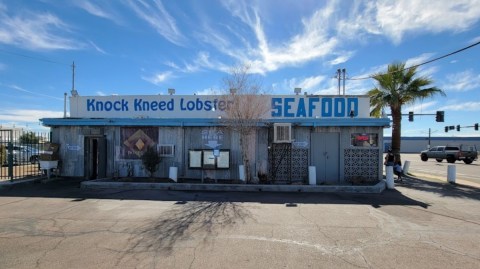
(389, 158)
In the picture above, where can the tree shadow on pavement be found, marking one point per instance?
(444, 189)
(183, 222)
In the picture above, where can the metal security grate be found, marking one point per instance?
(288, 164)
(19, 153)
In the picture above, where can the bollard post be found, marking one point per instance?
(173, 173)
(389, 173)
(406, 166)
(241, 172)
(451, 173)
(312, 175)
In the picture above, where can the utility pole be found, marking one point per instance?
(429, 137)
(73, 76)
(339, 76)
(343, 71)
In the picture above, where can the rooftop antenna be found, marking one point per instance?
(74, 92)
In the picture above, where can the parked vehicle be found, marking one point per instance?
(464, 153)
(21, 154)
(27, 154)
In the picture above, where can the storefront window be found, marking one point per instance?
(364, 140)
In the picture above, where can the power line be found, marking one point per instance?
(32, 57)
(427, 62)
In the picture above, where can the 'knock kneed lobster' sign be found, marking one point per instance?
(212, 106)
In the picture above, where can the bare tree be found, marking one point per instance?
(248, 105)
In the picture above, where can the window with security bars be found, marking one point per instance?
(282, 133)
(166, 150)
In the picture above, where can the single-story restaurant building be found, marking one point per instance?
(105, 136)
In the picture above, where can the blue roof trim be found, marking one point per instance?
(364, 122)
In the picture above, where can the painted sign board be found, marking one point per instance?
(214, 106)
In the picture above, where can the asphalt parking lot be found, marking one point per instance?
(420, 224)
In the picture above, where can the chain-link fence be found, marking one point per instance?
(19, 153)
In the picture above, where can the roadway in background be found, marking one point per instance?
(433, 169)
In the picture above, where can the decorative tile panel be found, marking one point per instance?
(287, 164)
(361, 165)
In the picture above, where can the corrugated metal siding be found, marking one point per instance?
(185, 138)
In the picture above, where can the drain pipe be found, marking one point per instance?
(65, 105)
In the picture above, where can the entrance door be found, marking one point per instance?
(325, 156)
(95, 157)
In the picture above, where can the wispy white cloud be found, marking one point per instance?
(462, 81)
(342, 58)
(20, 89)
(462, 106)
(313, 42)
(98, 11)
(309, 84)
(475, 40)
(155, 14)
(27, 115)
(418, 59)
(200, 62)
(33, 30)
(396, 18)
(97, 48)
(158, 78)
(209, 91)
(421, 107)
(326, 28)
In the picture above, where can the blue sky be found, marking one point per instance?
(145, 47)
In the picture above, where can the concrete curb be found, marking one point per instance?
(99, 184)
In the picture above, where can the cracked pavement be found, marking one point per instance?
(418, 225)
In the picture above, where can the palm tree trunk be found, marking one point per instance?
(396, 130)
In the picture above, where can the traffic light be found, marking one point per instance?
(440, 117)
(446, 129)
(410, 116)
(476, 126)
(458, 128)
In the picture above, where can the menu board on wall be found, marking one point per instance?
(195, 159)
(223, 160)
(208, 159)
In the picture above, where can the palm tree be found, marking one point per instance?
(396, 88)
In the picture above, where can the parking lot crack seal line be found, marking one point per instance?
(13, 202)
(448, 249)
(443, 215)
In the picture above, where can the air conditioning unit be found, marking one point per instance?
(166, 150)
(282, 133)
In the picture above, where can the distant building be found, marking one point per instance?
(417, 144)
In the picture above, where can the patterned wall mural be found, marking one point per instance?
(135, 141)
